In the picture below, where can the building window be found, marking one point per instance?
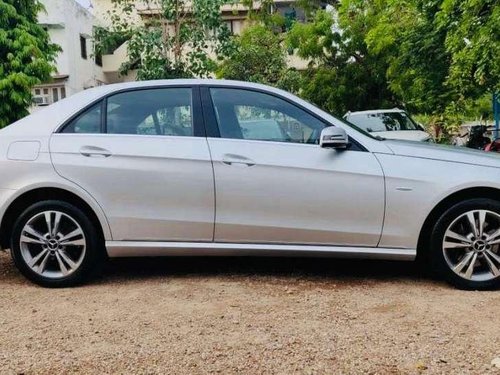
(49, 95)
(55, 95)
(235, 26)
(98, 59)
(83, 47)
(230, 27)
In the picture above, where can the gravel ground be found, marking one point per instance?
(248, 316)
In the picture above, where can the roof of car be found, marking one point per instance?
(375, 111)
(177, 82)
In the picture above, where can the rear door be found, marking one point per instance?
(144, 157)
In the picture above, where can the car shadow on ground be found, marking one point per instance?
(351, 271)
(319, 269)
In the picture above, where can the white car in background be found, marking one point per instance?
(390, 124)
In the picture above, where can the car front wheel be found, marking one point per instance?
(54, 244)
(466, 244)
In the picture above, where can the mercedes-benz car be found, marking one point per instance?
(389, 123)
(208, 167)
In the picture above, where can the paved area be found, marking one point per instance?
(248, 316)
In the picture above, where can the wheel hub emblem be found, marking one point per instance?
(479, 245)
(52, 244)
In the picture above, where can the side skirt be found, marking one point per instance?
(118, 249)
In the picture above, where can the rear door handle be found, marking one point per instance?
(93, 151)
(233, 159)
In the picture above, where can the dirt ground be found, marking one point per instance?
(248, 316)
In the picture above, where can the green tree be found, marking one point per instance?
(260, 57)
(442, 55)
(404, 33)
(342, 74)
(473, 42)
(180, 38)
(26, 57)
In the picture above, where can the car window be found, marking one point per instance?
(89, 122)
(151, 112)
(245, 114)
(381, 122)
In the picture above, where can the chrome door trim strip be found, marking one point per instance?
(117, 249)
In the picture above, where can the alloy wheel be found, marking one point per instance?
(471, 245)
(52, 244)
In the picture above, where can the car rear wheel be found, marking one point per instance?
(466, 244)
(54, 244)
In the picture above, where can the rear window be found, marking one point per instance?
(155, 111)
(88, 122)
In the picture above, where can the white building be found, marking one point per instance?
(235, 15)
(71, 27)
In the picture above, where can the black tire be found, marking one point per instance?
(91, 260)
(437, 256)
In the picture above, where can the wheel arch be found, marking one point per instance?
(26, 198)
(446, 203)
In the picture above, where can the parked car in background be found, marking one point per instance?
(208, 167)
(389, 123)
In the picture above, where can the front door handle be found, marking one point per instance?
(93, 151)
(233, 159)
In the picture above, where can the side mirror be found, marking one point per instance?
(334, 137)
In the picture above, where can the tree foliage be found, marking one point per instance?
(26, 57)
(260, 56)
(405, 34)
(431, 56)
(181, 38)
(442, 55)
(473, 42)
(262, 12)
(342, 75)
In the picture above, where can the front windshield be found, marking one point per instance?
(382, 122)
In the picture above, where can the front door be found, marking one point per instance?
(274, 184)
(139, 154)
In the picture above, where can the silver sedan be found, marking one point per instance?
(207, 167)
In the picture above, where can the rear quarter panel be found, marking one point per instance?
(21, 176)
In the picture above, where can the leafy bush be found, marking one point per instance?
(26, 57)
